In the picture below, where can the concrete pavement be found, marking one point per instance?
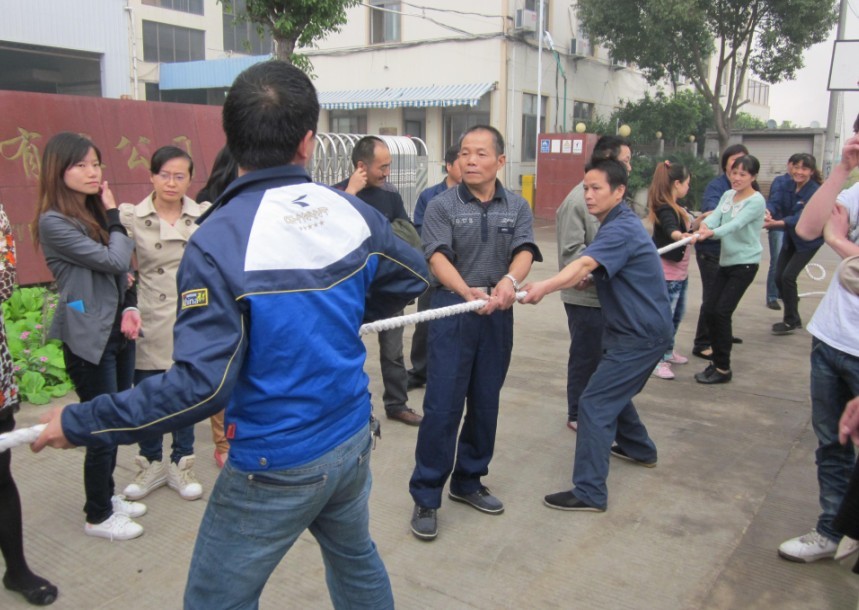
(735, 478)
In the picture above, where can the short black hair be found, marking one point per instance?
(168, 153)
(365, 150)
(613, 169)
(794, 158)
(748, 163)
(268, 111)
(497, 138)
(732, 150)
(451, 155)
(608, 147)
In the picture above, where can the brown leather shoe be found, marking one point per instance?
(407, 416)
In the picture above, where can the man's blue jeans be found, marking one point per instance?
(585, 325)
(253, 519)
(834, 381)
(183, 438)
(775, 239)
(606, 414)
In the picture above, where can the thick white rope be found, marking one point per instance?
(817, 278)
(22, 436)
(426, 316)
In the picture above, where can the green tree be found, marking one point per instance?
(746, 121)
(295, 23)
(669, 38)
(677, 116)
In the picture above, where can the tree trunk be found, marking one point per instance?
(285, 49)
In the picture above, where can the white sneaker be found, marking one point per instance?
(677, 358)
(124, 507)
(846, 547)
(663, 370)
(118, 527)
(150, 476)
(181, 477)
(808, 547)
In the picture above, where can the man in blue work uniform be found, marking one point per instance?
(478, 238)
(274, 286)
(418, 356)
(638, 329)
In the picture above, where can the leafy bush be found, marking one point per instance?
(702, 172)
(39, 365)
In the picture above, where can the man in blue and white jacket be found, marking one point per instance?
(274, 286)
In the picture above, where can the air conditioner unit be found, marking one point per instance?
(526, 20)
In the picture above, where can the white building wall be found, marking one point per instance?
(211, 22)
(95, 26)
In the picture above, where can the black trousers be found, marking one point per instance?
(708, 266)
(790, 264)
(730, 286)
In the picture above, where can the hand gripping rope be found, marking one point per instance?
(25, 436)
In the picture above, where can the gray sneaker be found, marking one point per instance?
(424, 523)
(481, 499)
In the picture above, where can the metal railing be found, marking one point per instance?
(332, 162)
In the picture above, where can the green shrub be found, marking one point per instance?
(702, 172)
(38, 363)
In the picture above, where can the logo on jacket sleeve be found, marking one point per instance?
(199, 297)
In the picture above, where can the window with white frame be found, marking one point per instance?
(384, 21)
(194, 7)
(165, 43)
(458, 119)
(530, 126)
(348, 121)
(758, 92)
(583, 112)
(242, 36)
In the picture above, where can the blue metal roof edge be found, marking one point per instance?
(205, 74)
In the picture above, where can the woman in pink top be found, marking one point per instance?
(671, 222)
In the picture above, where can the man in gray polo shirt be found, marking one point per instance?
(479, 240)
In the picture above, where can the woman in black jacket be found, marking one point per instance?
(671, 222)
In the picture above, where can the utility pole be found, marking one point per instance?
(834, 103)
(539, 87)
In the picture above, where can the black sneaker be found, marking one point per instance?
(414, 382)
(424, 523)
(774, 305)
(712, 375)
(567, 500)
(782, 328)
(481, 499)
(617, 452)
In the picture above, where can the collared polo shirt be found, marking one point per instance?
(480, 239)
(629, 282)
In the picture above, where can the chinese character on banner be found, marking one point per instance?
(26, 151)
(135, 159)
(184, 142)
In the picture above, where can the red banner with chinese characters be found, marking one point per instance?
(126, 132)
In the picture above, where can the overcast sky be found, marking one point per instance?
(806, 99)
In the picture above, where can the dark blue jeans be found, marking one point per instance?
(730, 286)
(183, 438)
(468, 359)
(834, 381)
(418, 355)
(586, 326)
(775, 239)
(113, 373)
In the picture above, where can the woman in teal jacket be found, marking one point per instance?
(737, 222)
